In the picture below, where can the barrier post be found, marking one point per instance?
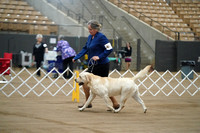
(75, 93)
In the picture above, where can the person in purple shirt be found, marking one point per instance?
(68, 53)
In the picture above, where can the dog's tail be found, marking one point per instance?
(143, 72)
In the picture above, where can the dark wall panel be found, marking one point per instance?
(15, 43)
(188, 51)
(170, 53)
(165, 56)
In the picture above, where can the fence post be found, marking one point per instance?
(75, 93)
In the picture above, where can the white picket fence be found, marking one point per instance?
(25, 82)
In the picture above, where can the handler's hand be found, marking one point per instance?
(95, 58)
(73, 60)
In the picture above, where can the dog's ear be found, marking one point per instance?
(151, 69)
(88, 77)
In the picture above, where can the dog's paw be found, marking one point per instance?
(116, 111)
(145, 110)
(80, 109)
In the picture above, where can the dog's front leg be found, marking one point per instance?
(90, 99)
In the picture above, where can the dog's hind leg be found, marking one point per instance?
(90, 99)
(122, 102)
(123, 99)
(137, 98)
(106, 99)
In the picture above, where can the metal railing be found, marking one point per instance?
(130, 25)
(111, 16)
(82, 18)
(69, 12)
(106, 9)
(163, 29)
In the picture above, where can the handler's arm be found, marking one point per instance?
(83, 52)
(33, 58)
(33, 53)
(107, 47)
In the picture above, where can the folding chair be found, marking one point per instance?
(4, 65)
(8, 56)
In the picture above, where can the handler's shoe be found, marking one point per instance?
(89, 106)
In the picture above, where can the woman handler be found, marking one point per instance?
(98, 48)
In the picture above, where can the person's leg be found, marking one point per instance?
(129, 64)
(103, 71)
(115, 103)
(71, 67)
(88, 102)
(38, 64)
(64, 68)
(87, 94)
(86, 91)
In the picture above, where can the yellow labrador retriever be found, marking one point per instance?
(106, 87)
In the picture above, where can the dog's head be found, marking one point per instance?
(83, 78)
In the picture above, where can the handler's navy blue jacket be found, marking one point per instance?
(99, 46)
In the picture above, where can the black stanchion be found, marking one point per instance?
(138, 54)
